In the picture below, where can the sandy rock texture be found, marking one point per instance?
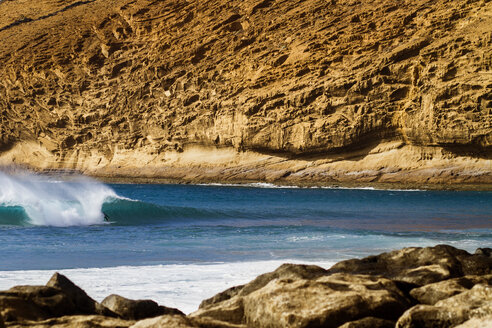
(377, 291)
(136, 309)
(475, 303)
(421, 266)
(297, 296)
(76, 321)
(272, 90)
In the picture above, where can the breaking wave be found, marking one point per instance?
(32, 200)
(29, 199)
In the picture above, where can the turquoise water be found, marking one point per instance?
(52, 224)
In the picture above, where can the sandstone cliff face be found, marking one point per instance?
(323, 90)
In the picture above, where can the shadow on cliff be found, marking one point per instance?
(475, 151)
(360, 149)
(29, 20)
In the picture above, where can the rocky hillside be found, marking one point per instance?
(276, 90)
(434, 287)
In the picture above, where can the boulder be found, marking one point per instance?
(174, 321)
(77, 321)
(419, 266)
(206, 322)
(485, 322)
(484, 252)
(450, 312)
(222, 296)
(60, 297)
(230, 311)
(432, 293)
(83, 302)
(136, 309)
(287, 270)
(305, 296)
(34, 303)
(369, 322)
(328, 301)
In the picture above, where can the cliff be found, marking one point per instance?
(274, 90)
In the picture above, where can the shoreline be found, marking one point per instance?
(390, 165)
(307, 184)
(212, 278)
(397, 288)
(261, 183)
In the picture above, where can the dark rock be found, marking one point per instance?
(34, 303)
(60, 297)
(369, 322)
(484, 252)
(478, 264)
(206, 322)
(136, 309)
(432, 293)
(83, 303)
(76, 321)
(171, 321)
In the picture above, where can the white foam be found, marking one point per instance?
(250, 185)
(180, 286)
(53, 202)
(265, 185)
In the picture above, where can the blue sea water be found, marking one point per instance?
(53, 224)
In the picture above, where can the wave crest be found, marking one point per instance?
(39, 200)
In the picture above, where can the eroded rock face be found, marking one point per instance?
(136, 309)
(85, 321)
(326, 302)
(34, 303)
(305, 296)
(370, 292)
(369, 322)
(60, 297)
(432, 293)
(176, 321)
(450, 312)
(285, 271)
(79, 298)
(148, 80)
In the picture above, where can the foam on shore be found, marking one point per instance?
(182, 286)
(267, 185)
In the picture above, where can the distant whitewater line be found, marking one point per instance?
(267, 185)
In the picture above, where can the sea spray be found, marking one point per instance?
(51, 202)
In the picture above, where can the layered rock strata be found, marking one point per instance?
(273, 90)
(434, 287)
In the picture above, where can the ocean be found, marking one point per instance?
(180, 244)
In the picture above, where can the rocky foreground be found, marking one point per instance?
(256, 90)
(434, 287)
